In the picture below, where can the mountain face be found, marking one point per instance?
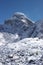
(18, 26)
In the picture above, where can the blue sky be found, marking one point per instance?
(32, 8)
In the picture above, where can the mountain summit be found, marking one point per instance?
(19, 19)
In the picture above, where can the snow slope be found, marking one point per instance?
(28, 51)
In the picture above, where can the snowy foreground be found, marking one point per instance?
(28, 51)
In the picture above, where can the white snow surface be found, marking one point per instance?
(28, 51)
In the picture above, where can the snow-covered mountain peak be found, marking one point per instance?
(21, 26)
(19, 18)
(18, 26)
(19, 14)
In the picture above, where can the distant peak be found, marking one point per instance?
(19, 13)
(19, 19)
